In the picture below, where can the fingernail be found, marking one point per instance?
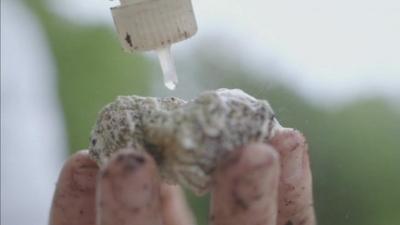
(297, 147)
(129, 190)
(74, 199)
(247, 192)
(258, 156)
(133, 179)
(257, 164)
(291, 146)
(84, 172)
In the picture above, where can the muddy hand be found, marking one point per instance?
(260, 185)
(127, 191)
(265, 184)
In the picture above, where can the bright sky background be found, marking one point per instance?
(336, 49)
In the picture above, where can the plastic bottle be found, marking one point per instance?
(145, 25)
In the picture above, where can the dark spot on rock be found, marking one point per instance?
(108, 154)
(81, 212)
(94, 141)
(128, 40)
(107, 117)
(258, 134)
(124, 130)
(155, 151)
(289, 222)
(94, 154)
(271, 121)
(272, 117)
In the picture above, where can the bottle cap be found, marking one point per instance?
(144, 25)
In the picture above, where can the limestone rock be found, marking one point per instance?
(186, 139)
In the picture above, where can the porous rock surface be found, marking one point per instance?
(186, 139)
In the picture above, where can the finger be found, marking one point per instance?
(129, 191)
(74, 198)
(174, 206)
(295, 200)
(246, 188)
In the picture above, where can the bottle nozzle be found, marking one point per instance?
(144, 25)
(168, 67)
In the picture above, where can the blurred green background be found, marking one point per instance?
(354, 149)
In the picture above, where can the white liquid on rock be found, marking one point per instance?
(168, 67)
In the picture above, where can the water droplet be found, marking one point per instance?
(168, 67)
(170, 85)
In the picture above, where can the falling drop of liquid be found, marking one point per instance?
(168, 67)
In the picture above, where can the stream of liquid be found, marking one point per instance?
(168, 67)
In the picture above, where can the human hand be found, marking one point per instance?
(261, 184)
